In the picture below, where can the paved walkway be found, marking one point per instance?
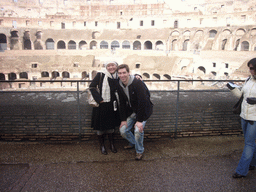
(187, 164)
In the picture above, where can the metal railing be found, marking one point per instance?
(77, 89)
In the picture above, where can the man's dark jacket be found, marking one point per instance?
(139, 101)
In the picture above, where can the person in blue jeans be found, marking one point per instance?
(248, 121)
(135, 108)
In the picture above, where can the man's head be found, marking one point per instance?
(123, 73)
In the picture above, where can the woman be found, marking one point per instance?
(105, 117)
(248, 122)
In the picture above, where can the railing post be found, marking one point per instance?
(78, 111)
(177, 109)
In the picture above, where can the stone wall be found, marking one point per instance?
(53, 116)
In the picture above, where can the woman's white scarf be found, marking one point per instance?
(105, 86)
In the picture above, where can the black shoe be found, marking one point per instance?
(111, 143)
(236, 176)
(102, 145)
(251, 167)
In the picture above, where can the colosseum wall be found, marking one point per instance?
(64, 39)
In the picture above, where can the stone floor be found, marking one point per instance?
(186, 164)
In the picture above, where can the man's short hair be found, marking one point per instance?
(123, 66)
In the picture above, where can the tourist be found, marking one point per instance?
(248, 121)
(135, 109)
(106, 117)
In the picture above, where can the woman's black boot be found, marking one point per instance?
(111, 142)
(102, 145)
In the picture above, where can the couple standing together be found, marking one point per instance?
(124, 101)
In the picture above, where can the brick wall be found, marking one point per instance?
(53, 116)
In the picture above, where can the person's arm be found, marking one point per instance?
(95, 83)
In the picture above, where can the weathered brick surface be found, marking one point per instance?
(54, 116)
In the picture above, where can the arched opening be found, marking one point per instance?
(168, 77)
(148, 45)
(65, 75)
(156, 76)
(245, 46)
(44, 74)
(93, 45)
(103, 45)
(137, 66)
(85, 75)
(237, 44)
(174, 46)
(136, 45)
(212, 33)
(23, 75)
(55, 74)
(126, 45)
(71, 45)
(27, 44)
(159, 46)
(49, 44)
(12, 76)
(61, 45)
(82, 45)
(2, 77)
(146, 76)
(202, 69)
(115, 45)
(224, 42)
(3, 43)
(213, 73)
(185, 45)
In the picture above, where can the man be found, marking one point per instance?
(135, 109)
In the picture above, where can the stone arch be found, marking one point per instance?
(136, 45)
(159, 45)
(223, 44)
(27, 44)
(186, 33)
(146, 76)
(23, 75)
(71, 44)
(93, 45)
(148, 45)
(12, 76)
(212, 33)
(103, 45)
(137, 65)
(61, 45)
(201, 68)
(175, 33)
(185, 45)
(82, 45)
(44, 74)
(2, 77)
(65, 75)
(245, 46)
(3, 42)
(166, 76)
(55, 74)
(49, 44)
(85, 75)
(237, 44)
(174, 45)
(14, 44)
(156, 76)
(240, 32)
(38, 45)
(115, 44)
(253, 32)
(126, 45)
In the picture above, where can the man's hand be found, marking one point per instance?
(139, 125)
(122, 124)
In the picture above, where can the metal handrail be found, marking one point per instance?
(78, 92)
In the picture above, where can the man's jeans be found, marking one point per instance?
(249, 153)
(137, 138)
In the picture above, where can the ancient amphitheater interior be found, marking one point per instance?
(159, 39)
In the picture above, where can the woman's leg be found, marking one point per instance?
(110, 133)
(249, 130)
(101, 136)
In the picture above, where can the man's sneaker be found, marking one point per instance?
(129, 147)
(138, 156)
